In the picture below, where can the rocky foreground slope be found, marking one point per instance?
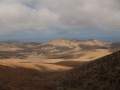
(101, 74)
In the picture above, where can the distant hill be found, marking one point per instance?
(58, 49)
(74, 43)
(101, 74)
(74, 49)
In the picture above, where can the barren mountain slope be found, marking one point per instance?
(101, 74)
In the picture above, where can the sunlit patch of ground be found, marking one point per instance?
(34, 64)
(92, 55)
(53, 64)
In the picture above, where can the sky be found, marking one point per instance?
(41, 20)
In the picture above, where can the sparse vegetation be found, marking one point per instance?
(101, 74)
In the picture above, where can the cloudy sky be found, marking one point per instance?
(36, 20)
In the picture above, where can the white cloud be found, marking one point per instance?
(43, 14)
(86, 12)
(16, 16)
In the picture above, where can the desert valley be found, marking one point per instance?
(59, 44)
(60, 64)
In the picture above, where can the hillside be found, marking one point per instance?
(101, 74)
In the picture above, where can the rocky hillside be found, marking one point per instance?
(101, 74)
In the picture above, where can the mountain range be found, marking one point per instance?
(56, 49)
